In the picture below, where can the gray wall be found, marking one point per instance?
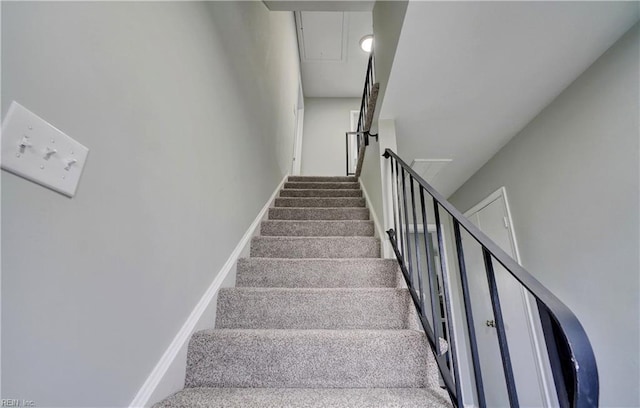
(323, 146)
(187, 110)
(572, 180)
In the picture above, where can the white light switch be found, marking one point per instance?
(34, 149)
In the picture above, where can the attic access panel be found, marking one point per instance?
(322, 35)
(428, 169)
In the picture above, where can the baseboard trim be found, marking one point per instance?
(376, 222)
(182, 337)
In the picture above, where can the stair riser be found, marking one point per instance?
(316, 273)
(335, 309)
(284, 247)
(320, 193)
(333, 186)
(334, 179)
(282, 213)
(307, 358)
(317, 228)
(320, 202)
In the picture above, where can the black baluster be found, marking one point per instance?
(502, 336)
(394, 189)
(406, 223)
(347, 150)
(473, 343)
(447, 299)
(400, 234)
(431, 275)
(415, 241)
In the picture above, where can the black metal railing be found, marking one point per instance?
(369, 82)
(569, 355)
(367, 105)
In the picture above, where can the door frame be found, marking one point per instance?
(501, 192)
(536, 335)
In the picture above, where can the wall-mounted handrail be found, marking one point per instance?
(570, 354)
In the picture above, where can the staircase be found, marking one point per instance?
(317, 319)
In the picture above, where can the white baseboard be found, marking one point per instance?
(376, 222)
(150, 387)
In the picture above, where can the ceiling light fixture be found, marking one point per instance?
(366, 43)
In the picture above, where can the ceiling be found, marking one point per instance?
(331, 61)
(320, 5)
(468, 76)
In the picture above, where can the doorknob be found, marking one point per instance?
(491, 323)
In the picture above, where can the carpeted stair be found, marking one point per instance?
(317, 319)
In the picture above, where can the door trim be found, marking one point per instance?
(535, 330)
(501, 192)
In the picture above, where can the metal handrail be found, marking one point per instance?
(570, 353)
(362, 130)
(368, 86)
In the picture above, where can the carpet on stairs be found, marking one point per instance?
(317, 318)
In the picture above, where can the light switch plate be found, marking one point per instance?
(34, 149)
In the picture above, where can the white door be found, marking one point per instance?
(492, 217)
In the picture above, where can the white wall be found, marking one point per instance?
(371, 177)
(323, 147)
(376, 181)
(572, 180)
(187, 108)
(388, 18)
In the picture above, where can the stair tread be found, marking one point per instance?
(317, 228)
(318, 290)
(322, 208)
(319, 213)
(320, 222)
(204, 397)
(315, 247)
(318, 198)
(307, 334)
(312, 358)
(321, 182)
(320, 202)
(316, 192)
(321, 185)
(343, 259)
(351, 179)
(316, 272)
(314, 308)
(293, 238)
